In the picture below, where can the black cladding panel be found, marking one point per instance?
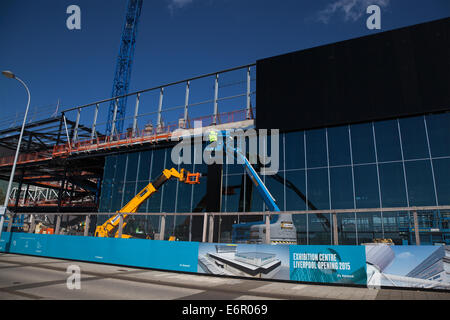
(386, 75)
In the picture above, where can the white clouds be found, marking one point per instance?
(177, 4)
(405, 255)
(351, 10)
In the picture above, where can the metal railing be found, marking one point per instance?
(412, 223)
(218, 94)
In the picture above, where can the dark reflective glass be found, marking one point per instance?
(318, 188)
(231, 194)
(129, 192)
(414, 139)
(120, 167)
(105, 197)
(438, 126)
(420, 183)
(132, 166)
(294, 150)
(339, 146)
(366, 186)
(316, 148)
(110, 169)
(116, 201)
(442, 174)
(346, 229)
(295, 190)
(369, 226)
(392, 182)
(341, 186)
(275, 185)
(363, 149)
(388, 141)
(145, 163)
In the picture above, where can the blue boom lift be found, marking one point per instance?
(282, 228)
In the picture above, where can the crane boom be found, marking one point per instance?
(117, 108)
(109, 228)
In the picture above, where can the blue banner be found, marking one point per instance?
(167, 255)
(328, 264)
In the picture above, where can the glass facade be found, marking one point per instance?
(393, 163)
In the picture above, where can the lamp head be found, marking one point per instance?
(9, 74)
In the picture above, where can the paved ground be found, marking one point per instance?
(27, 277)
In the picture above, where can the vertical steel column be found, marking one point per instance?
(77, 123)
(94, 123)
(249, 111)
(335, 230)
(159, 121)
(205, 226)
(216, 97)
(211, 228)
(58, 224)
(120, 225)
(136, 110)
(268, 240)
(32, 224)
(67, 131)
(10, 222)
(416, 228)
(87, 223)
(186, 103)
(113, 127)
(162, 228)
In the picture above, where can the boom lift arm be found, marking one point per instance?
(110, 227)
(282, 228)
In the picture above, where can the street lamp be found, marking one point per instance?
(10, 75)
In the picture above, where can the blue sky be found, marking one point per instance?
(177, 39)
(408, 257)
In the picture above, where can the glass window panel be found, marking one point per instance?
(132, 166)
(369, 226)
(316, 148)
(158, 164)
(295, 190)
(414, 139)
(275, 185)
(120, 168)
(198, 200)
(363, 149)
(339, 146)
(319, 224)
(366, 186)
(110, 169)
(346, 229)
(232, 185)
(275, 156)
(341, 186)
(294, 150)
(318, 188)
(392, 181)
(420, 183)
(388, 141)
(169, 195)
(105, 198)
(145, 164)
(116, 197)
(438, 126)
(301, 227)
(128, 192)
(442, 174)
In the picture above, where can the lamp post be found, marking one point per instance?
(10, 75)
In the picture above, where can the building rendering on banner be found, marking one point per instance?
(363, 129)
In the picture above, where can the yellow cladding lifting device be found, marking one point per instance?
(110, 227)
